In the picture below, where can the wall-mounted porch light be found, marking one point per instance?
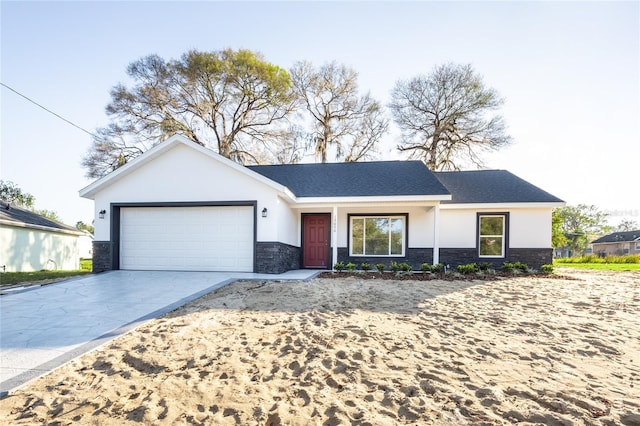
(264, 212)
(101, 213)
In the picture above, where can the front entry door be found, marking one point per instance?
(315, 236)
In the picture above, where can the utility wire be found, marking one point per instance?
(49, 111)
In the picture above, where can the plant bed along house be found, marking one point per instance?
(470, 271)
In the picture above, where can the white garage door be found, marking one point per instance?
(187, 238)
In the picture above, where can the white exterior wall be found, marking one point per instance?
(528, 228)
(420, 222)
(187, 175)
(288, 223)
(27, 250)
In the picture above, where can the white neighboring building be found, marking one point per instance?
(30, 242)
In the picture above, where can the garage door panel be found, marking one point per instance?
(187, 238)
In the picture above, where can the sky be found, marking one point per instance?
(569, 73)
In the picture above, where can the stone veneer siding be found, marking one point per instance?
(414, 257)
(276, 258)
(102, 256)
(533, 257)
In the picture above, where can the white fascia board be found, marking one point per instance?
(93, 188)
(499, 206)
(374, 200)
(40, 228)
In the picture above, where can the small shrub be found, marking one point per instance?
(507, 267)
(351, 266)
(339, 266)
(405, 267)
(394, 266)
(485, 266)
(437, 268)
(522, 267)
(515, 267)
(425, 267)
(547, 269)
(365, 266)
(467, 269)
(380, 267)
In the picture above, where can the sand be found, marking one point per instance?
(366, 352)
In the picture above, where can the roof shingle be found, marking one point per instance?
(619, 237)
(492, 186)
(376, 178)
(20, 216)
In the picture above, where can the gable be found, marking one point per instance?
(176, 170)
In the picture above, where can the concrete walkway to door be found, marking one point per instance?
(42, 328)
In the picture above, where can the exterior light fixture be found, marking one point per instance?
(264, 212)
(101, 213)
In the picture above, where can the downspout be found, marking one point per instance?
(436, 234)
(334, 236)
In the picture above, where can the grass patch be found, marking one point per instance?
(600, 266)
(606, 263)
(9, 278)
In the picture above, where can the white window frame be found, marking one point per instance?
(404, 219)
(503, 236)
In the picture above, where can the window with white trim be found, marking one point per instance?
(377, 235)
(491, 238)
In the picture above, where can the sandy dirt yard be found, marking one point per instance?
(366, 352)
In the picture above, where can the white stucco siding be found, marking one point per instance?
(287, 223)
(186, 175)
(26, 250)
(528, 228)
(420, 222)
(457, 228)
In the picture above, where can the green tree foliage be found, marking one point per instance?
(343, 122)
(580, 225)
(49, 214)
(12, 194)
(229, 100)
(447, 117)
(84, 227)
(558, 238)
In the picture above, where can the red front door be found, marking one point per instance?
(315, 236)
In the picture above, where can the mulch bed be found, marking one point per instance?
(450, 276)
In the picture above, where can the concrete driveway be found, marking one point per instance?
(44, 327)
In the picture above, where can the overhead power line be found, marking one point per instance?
(49, 111)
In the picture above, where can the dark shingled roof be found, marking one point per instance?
(492, 186)
(619, 237)
(376, 178)
(22, 216)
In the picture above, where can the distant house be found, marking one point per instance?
(31, 242)
(180, 206)
(618, 243)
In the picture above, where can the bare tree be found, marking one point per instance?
(230, 101)
(342, 121)
(446, 117)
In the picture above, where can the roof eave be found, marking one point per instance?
(25, 225)
(535, 205)
(370, 199)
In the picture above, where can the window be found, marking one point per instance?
(491, 235)
(377, 235)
